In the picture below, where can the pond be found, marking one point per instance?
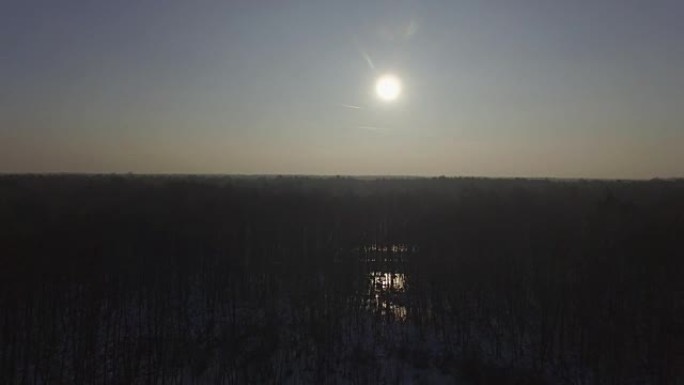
(385, 278)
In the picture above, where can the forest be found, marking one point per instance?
(190, 279)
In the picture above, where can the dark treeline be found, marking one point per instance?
(231, 280)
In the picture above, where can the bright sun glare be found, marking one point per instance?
(388, 87)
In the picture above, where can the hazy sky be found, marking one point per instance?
(493, 88)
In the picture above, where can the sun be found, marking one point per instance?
(388, 87)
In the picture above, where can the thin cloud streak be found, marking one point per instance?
(368, 60)
(350, 106)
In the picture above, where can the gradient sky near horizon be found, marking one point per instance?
(490, 88)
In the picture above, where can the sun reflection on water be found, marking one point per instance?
(388, 282)
(385, 280)
(387, 291)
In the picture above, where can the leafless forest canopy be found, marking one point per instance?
(231, 280)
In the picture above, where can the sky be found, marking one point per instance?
(524, 88)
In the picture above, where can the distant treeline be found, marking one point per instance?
(117, 279)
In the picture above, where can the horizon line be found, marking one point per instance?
(332, 176)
